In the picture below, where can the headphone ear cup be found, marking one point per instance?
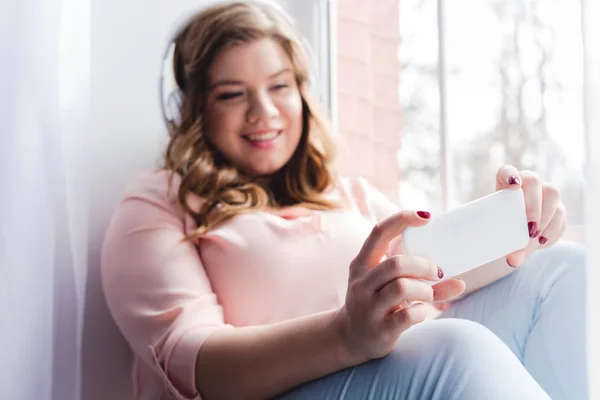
(171, 96)
(174, 105)
(312, 60)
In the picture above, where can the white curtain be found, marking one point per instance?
(591, 87)
(44, 113)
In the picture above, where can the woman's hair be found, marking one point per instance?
(225, 191)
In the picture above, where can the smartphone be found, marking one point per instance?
(474, 234)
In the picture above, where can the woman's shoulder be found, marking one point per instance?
(157, 184)
(155, 191)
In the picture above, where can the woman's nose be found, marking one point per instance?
(262, 108)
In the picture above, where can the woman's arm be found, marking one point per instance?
(161, 298)
(264, 361)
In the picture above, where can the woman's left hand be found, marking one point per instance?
(545, 211)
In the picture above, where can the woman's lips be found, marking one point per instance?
(262, 140)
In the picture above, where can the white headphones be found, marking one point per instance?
(171, 95)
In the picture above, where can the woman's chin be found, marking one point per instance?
(262, 171)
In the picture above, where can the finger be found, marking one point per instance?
(532, 189)
(449, 289)
(402, 266)
(549, 236)
(442, 306)
(399, 291)
(552, 233)
(383, 232)
(555, 229)
(409, 316)
(550, 202)
(396, 247)
(508, 177)
(515, 259)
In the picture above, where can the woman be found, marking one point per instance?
(244, 268)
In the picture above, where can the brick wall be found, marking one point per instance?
(369, 109)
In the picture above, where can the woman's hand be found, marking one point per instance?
(545, 212)
(380, 301)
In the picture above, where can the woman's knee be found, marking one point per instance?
(456, 359)
(446, 359)
(564, 260)
(569, 254)
(445, 340)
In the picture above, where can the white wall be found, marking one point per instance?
(127, 136)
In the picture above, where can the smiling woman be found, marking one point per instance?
(244, 267)
(254, 107)
(247, 115)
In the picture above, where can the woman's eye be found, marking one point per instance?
(280, 86)
(229, 95)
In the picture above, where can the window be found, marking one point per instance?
(485, 83)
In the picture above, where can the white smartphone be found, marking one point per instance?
(474, 234)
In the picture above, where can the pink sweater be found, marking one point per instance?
(168, 297)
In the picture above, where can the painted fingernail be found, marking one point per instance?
(514, 180)
(532, 229)
(543, 240)
(440, 273)
(423, 214)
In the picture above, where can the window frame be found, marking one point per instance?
(316, 21)
(574, 231)
(323, 28)
(591, 99)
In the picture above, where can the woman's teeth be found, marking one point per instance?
(263, 137)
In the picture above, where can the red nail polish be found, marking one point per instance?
(514, 180)
(543, 240)
(440, 273)
(532, 229)
(423, 214)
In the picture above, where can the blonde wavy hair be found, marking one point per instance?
(225, 191)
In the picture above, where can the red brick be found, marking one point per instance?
(385, 91)
(385, 17)
(348, 112)
(384, 56)
(354, 77)
(361, 157)
(386, 126)
(368, 103)
(364, 117)
(356, 10)
(354, 39)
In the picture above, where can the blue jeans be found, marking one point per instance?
(521, 337)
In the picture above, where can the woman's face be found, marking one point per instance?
(253, 110)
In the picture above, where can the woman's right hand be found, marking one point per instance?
(381, 291)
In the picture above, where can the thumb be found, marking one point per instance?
(377, 243)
